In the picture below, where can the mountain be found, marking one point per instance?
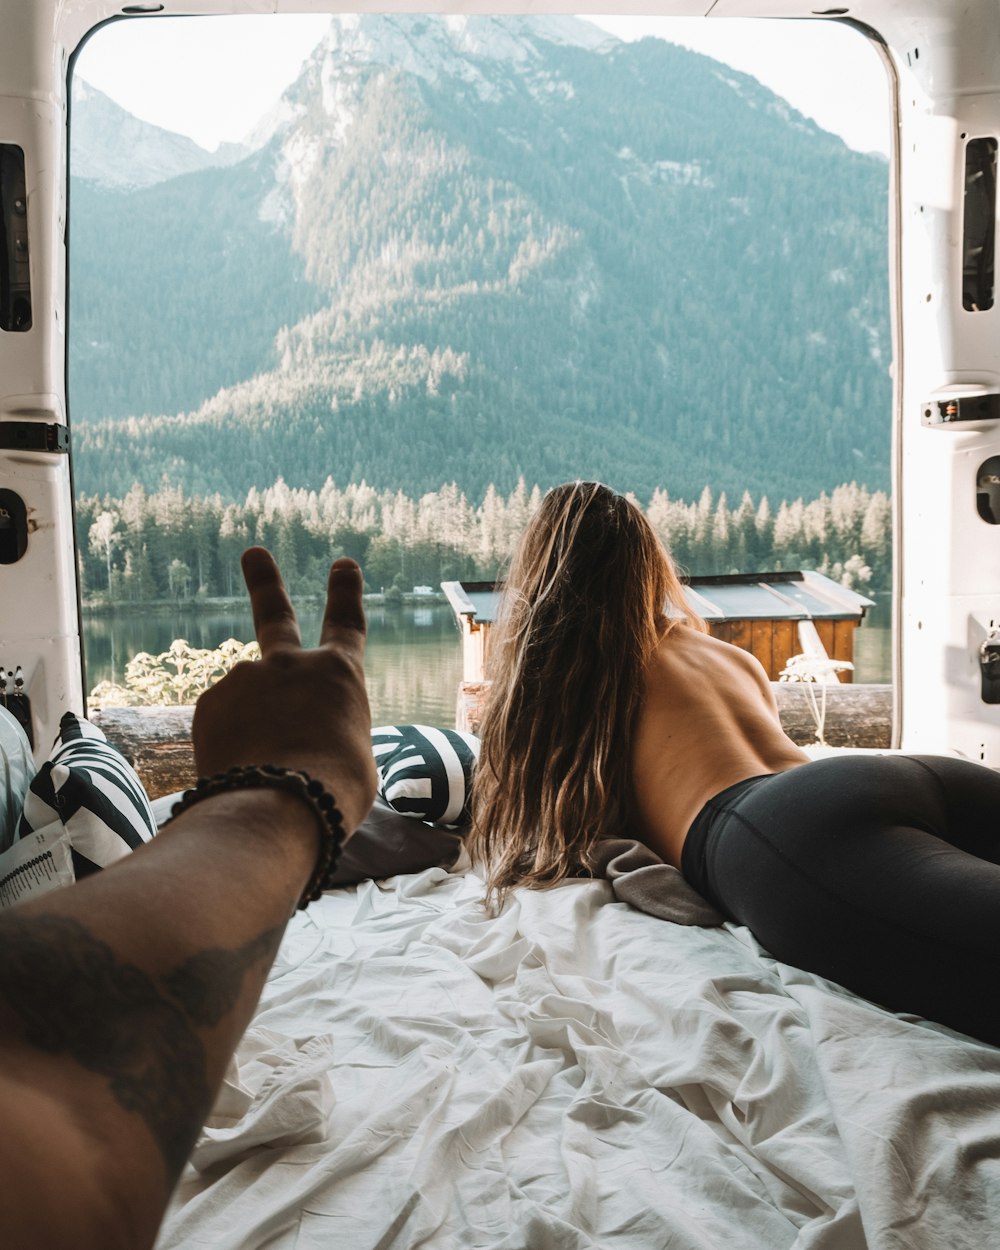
(113, 149)
(474, 248)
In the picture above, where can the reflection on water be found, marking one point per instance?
(873, 644)
(413, 661)
(414, 657)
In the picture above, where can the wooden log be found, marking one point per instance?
(157, 740)
(157, 743)
(856, 715)
(469, 708)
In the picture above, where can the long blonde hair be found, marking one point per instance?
(581, 614)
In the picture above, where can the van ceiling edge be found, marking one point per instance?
(893, 19)
(75, 18)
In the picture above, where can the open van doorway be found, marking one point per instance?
(443, 265)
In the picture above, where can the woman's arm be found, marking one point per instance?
(122, 999)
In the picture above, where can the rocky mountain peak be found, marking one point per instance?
(431, 47)
(117, 150)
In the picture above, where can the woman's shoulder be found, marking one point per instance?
(686, 652)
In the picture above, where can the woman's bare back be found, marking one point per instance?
(708, 720)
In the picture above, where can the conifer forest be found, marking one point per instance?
(166, 545)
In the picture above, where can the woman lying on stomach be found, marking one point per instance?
(613, 712)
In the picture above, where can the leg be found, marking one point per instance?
(855, 869)
(970, 804)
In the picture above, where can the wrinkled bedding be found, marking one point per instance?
(577, 1074)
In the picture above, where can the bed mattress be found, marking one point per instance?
(575, 1074)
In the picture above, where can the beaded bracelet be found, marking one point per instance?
(293, 781)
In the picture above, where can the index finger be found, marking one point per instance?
(344, 616)
(274, 619)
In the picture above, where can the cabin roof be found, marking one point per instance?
(794, 595)
(801, 595)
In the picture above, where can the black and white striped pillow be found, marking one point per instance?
(425, 772)
(92, 791)
(16, 770)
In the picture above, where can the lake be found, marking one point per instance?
(414, 656)
(413, 660)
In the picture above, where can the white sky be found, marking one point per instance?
(212, 77)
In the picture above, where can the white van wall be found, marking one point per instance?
(38, 612)
(948, 555)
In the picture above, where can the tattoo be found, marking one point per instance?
(208, 984)
(74, 996)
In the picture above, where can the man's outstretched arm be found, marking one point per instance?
(122, 999)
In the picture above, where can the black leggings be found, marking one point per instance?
(880, 872)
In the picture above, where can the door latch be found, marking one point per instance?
(13, 527)
(15, 700)
(989, 667)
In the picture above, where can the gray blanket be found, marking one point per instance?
(639, 877)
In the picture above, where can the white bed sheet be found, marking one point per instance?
(575, 1074)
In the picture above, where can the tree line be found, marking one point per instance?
(168, 545)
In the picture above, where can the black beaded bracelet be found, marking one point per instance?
(258, 776)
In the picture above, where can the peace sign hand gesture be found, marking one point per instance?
(296, 708)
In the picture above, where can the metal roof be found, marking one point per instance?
(476, 600)
(781, 596)
(792, 596)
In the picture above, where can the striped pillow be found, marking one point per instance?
(16, 770)
(424, 772)
(89, 789)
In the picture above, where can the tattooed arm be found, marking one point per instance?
(122, 999)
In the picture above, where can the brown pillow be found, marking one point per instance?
(384, 844)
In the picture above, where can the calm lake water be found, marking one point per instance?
(413, 661)
(414, 657)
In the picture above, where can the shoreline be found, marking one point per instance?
(166, 607)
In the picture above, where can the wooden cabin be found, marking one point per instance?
(475, 608)
(774, 615)
(778, 615)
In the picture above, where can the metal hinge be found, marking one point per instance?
(15, 700)
(959, 410)
(34, 436)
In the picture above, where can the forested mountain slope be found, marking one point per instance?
(475, 249)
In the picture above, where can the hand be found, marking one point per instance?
(296, 708)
